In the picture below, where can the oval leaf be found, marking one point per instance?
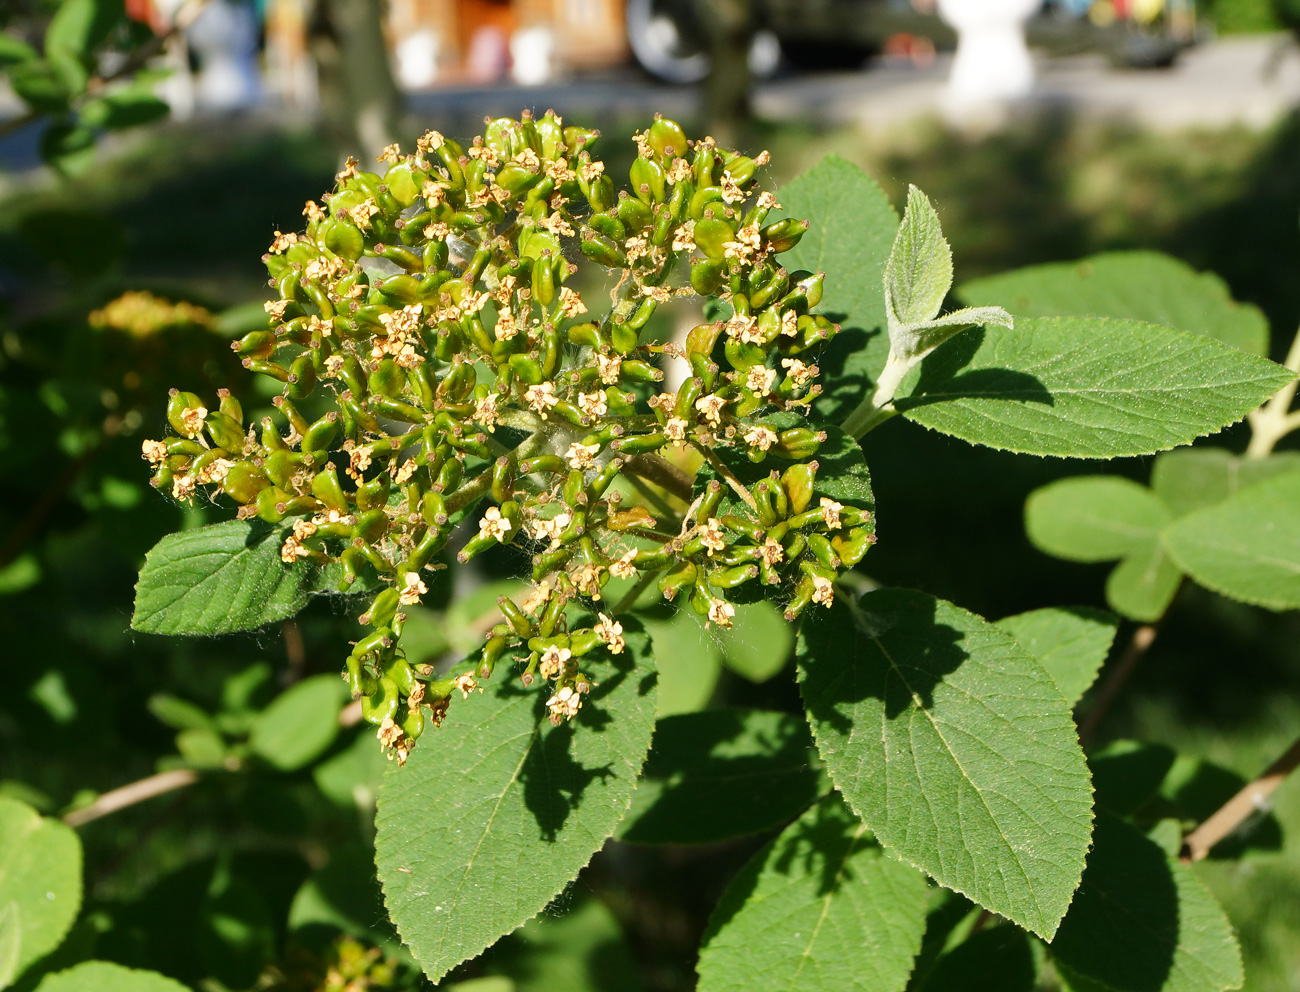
(1136, 285)
(956, 748)
(104, 976)
(851, 229)
(300, 723)
(1083, 387)
(40, 875)
(217, 580)
(1071, 643)
(1142, 922)
(723, 773)
(819, 908)
(1094, 518)
(1247, 548)
(497, 811)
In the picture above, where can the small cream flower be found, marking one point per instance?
(831, 513)
(760, 437)
(801, 374)
(610, 368)
(760, 380)
(582, 456)
(610, 632)
(712, 536)
(466, 684)
(721, 612)
(773, 553)
(154, 451)
(823, 591)
(564, 705)
(593, 404)
(391, 153)
(541, 397)
(624, 568)
(412, 589)
(192, 420)
(710, 407)
(495, 524)
(292, 550)
(684, 237)
(485, 413)
(571, 303)
(553, 661)
(675, 429)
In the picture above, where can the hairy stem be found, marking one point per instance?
(1237, 810)
(877, 408)
(662, 473)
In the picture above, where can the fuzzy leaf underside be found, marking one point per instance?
(956, 748)
(1082, 387)
(497, 811)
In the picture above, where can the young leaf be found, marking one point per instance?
(721, 774)
(1071, 643)
(1135, 285)
(819, 908)
(1101, 518)
(852, 226)
(1247, 548)
(218, 579)
(1084, 387)
(1142, 922)
(40, 876)
(104, 976)
(956, 748)
(300, 723)
(1190, 479)
(919, 272)
(497, 811)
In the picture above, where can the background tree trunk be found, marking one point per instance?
(729, 25)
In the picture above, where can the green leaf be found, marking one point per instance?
(39, 85)
(343, 895)
(819, 908)
(1193, 478)
(852, 229)
(179, 714)
(1247, 548)
(14, 50)
(1144, 584)
(1142, 922)
(127, 108)
(11, 937)
(918, 274)
(40, 874)
(300, 724)
(497, 811)
(688, 660)
(999, 958)
(74, 30)
(760, 643)
(1086, 387)
(103, 976)
(1094, 518)
(956, 748)
(218, 579)
(351, 777)
(721, 774)
(1071, 643)
(1136, 285)
(1101, 518)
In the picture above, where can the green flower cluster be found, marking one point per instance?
(435, 358)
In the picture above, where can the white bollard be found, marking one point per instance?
(992, 62)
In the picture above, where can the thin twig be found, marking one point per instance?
(1270, 423)
(1118, 675)
(129, 795)
(662, 473)
(1237, 810)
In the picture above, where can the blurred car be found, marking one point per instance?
(668, 39)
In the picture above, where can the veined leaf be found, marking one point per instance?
(819, 908)
(852, 226)
(1247, 548)
(219, 579)
(1094, 517)
(1071, 643)
(1083, 387)
(919, 272)
(1191, 479)
(1135, 285)
(720, 774)
(1142, 922)
(40, 880)
(956, 748)
(497, 810)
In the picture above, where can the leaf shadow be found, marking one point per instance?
(941, 378)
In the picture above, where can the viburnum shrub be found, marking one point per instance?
(466, 359)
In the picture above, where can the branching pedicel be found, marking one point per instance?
(431, 306)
